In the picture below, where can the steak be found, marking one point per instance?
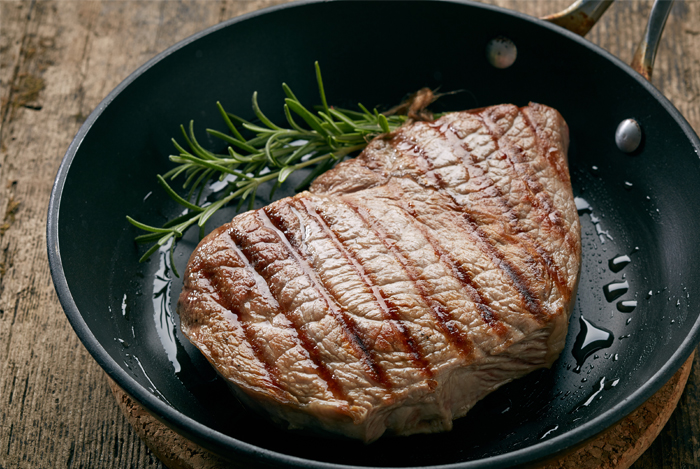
(404, 286)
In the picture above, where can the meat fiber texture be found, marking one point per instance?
(404, 286)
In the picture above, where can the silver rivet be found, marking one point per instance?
(501, 52)
(628, 135)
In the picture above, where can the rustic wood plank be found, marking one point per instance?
(58, 59)
(62, 58)
(677, 447)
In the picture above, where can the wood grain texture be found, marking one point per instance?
(621, 445)
(58, 60)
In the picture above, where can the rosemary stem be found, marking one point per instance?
(331, 134)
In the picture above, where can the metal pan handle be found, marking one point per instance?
(582, 15)
(643, 60)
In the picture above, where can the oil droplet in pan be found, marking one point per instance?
(619, 263)
(601, 386)
(548, 432)
(626, 306)
(164, 321)
(589, 340)
(582, 206)
(125, 308)
(615, 290)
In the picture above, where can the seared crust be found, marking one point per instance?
(407, 284)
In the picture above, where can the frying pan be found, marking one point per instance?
(640, 205)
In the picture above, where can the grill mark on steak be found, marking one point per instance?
(534, 305)
(533, 246)
(482, 304)
(275, 223)
(463, 344)
(555, 160)
(539, 199)
(532, 302)
(261, 282)
(390, 310)
(306, 343)
(537, 196)
(519, 236)
(232, 307)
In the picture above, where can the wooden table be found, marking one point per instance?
(58, 60)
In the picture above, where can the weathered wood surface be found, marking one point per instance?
(58, 59)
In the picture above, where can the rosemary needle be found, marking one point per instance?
(274, 153)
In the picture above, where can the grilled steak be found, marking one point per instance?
(404, 286)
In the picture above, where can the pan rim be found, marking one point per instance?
(217, 441)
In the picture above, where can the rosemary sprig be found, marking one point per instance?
(324, 137)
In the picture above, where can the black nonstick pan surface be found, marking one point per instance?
(643, 206)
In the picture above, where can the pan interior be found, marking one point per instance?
(635, 205)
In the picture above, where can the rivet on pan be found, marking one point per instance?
(501, 52)
(628, 135)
